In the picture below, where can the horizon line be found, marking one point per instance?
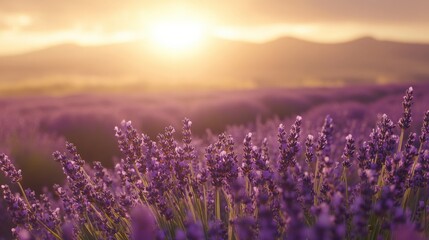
(238, 40)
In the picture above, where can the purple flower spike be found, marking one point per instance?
(309, 149)
(424, 136)
(16, 206)
(326, 136)
(289, 147)
(405, 120)
(9, 169)
(247, 164)
(349, 151)
(187, 138)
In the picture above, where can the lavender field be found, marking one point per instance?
(213, 120)
(307, 163)
(35, 126)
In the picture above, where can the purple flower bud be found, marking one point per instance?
(326, 136)
(424, 135)
(405, 120)
(247, 164)
(16, 207)
(309, 149)
(349, 151)
(9, 169)
(289, 147)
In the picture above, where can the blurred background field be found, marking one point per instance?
(35, 126)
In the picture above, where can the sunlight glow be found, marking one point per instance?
(177, 34)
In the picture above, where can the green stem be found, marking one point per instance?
(319, 185)
(217, 204)
(347, 186)
(401, 139)
(24, 195)
(413, 168)
(380, 182)
(405, 198)
(416, 203)
(248, 186)
(348, 221)
(230, 218)
(191, 205)
(205, 219)
(425, 220)
(315, 183)
(375, 230)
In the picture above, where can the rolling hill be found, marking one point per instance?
(220, 63)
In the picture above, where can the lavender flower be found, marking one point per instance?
(424, 135)
(213, 166)
(326, 136)
(188, 148)
(71, 148)
(222, 164)
(349, 151)
(168, 148)
(289, 147)
(182, 169)
(16, 207)
(405, 120)
(382, 142)
(309, 149)
(9, 169)
(363, 157)
(247, 164)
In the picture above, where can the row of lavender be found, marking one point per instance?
(32, 127)
(297, 187)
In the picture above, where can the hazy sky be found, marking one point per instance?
(26, 25)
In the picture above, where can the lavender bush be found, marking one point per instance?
(320, 185)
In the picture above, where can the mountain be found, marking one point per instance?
(222, 63)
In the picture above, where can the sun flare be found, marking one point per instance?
(177, 35)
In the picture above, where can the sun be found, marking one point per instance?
(177, 34)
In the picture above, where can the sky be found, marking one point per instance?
(27, 25)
